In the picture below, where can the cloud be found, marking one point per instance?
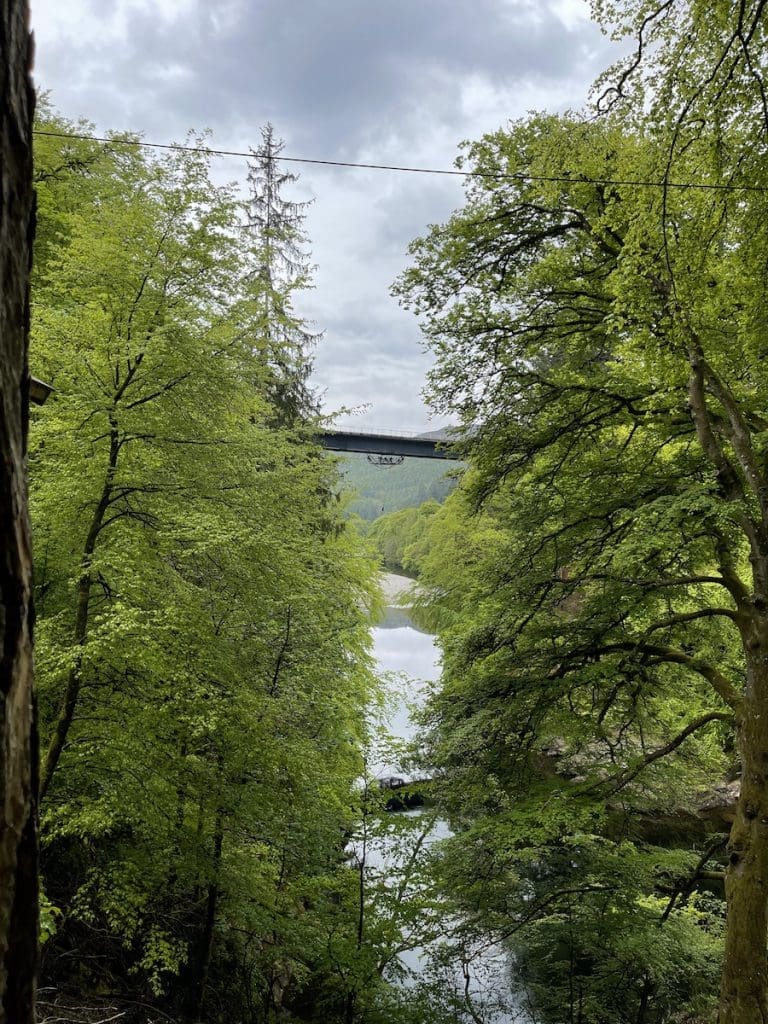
(339, 73)
(397, 82)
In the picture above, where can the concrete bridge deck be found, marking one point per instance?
(385, 443)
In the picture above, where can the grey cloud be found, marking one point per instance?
(414, 208)
(333, 72)
(339, 79)
(381, 346)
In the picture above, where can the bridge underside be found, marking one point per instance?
(384, 444)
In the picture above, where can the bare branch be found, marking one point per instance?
(617, 91)
(682, 617)
(160, 391)
(685, 890)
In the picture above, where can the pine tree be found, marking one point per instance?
(282, 268)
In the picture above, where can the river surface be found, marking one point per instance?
(408, 662)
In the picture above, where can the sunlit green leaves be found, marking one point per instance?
(196, 582)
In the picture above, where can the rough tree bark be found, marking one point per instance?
(729, 446)
(18, 744)
(744, 986)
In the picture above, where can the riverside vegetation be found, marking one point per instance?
(598, 580)
(206, 686)
(202, 633)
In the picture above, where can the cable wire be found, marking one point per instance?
(493, 175)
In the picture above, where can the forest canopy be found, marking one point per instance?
(598, 580)
(597, 313)
(202, 634)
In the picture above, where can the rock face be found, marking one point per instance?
(720, 805)
(717, 809)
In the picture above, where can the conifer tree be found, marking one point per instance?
(282, 268)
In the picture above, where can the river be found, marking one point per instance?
(482, 992)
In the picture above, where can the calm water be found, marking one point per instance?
(408, 661)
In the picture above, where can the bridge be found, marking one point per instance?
(386, 443)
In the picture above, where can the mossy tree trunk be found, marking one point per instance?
(18, 747)
(744, 989)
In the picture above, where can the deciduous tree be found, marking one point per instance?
(604, 341)
(203, 610)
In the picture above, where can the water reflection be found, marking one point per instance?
(409, 661)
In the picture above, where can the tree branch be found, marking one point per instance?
(629, 774)
(685, 890)
(672, 655)
(702, 613)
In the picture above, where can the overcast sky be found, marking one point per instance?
(382, 81)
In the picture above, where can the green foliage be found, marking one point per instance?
(599, 959)
(49, 919)
(387, 905)
(378, 490)
(281, 269)
(202, 640)
(586, 576)
(599, 579)
(397, 535)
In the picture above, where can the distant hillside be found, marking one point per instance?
(443, 434)
(383, 489)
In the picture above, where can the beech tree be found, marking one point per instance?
(18, 747)
(203, 625)
(604, 342)
(698, 76)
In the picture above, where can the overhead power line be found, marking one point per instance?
(566, 176)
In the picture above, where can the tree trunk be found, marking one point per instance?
(212, 902)
(18, 745)
(66, 714)
(211, 905)
(744, 989)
